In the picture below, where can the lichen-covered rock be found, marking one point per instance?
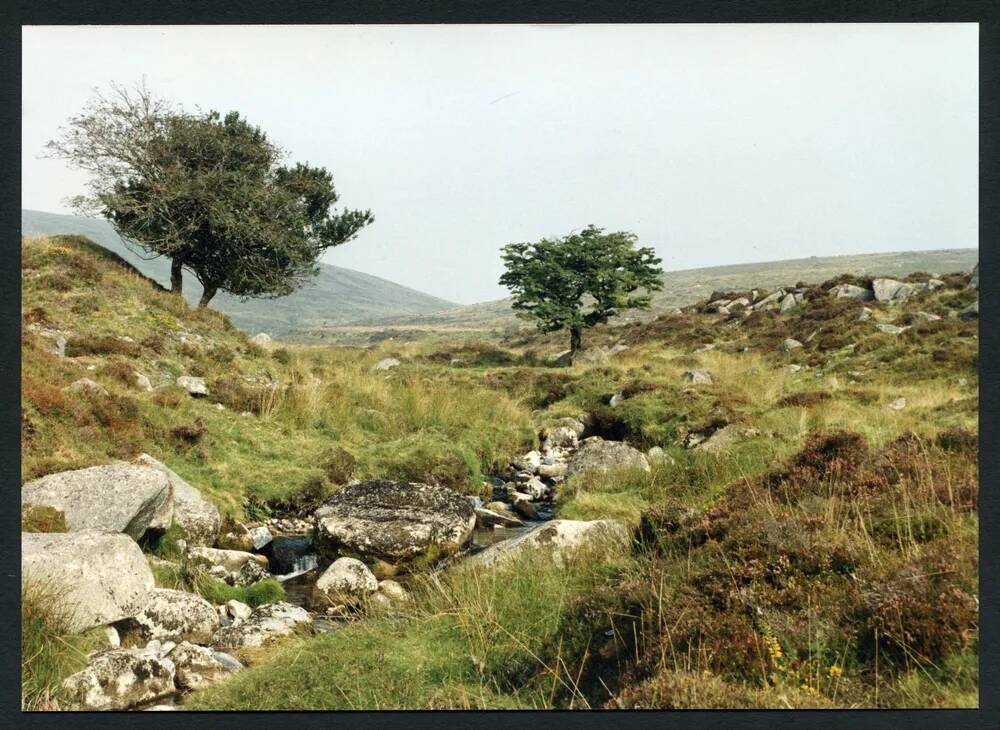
(891, 290)
(394, 521)
(235, 536)
(970, 312)
(194, 386)
(393, 591)
(890, 329)
(198, 667)
(265, 624)
(197, 517)
(387, 363)
(170, 615)
(973, 278)
(697, 376)
(115, 497)
(491, 517)
(346, 581)
(86, 385)
(596, 454)
(563, 437)
(118, 680)
(102, 576)
(261, 338)
(850, 291)
(557, 539)
(234, 566)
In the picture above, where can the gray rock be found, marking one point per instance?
(934, 284)
(235, 536)
(86, 385)
(237, 609)
(171, 615)
(890, 329)
(850, 291)
(706, 347)
(490, 517)
(260, 536)
(101, 576)
(970, 312)
(864, 315)
(553, 471)
(387, 363)
(771, 301)
(394, 521)
(227, 660)
(898, 404)
(790, 344)
(616, 399)
(261, 338)
(724, 438)
(792, 368)
(393, 591)
(535, 488)
(119, 679)
(557, 539)
(923, 317)
(596, 454)
(233, 566)
(266, 623)
(346, 581)
(196, 516)
(891, 290)
(117, 497)
(528, 462)
(788, 302)
(973, 278)
(697, 376)
(524, 505)
(194, 386)
(563, 437)
(141, 381)
(197, 666)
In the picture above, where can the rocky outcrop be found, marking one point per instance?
(891, 290)
(169, 615)
(197, 517)
(115, 497)
(596, 454)
(347, 581)
(556, 539)
(119, 679)
(850, 291)
(394, 521)
(266, 623)
(103, 577)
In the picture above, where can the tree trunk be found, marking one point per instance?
(206, 296)
(575, 340)
(176, 277)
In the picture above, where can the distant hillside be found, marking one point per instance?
(683, 288)
(337, 296)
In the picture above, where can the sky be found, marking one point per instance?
(715, 144)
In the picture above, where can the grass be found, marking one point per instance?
(825, 558)
(50, 650)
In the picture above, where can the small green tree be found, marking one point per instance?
(208, 192)
(579, 280)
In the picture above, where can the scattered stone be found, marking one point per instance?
(86, 385)
(962, 382)
(233, 566)
(788, 302)
(790, 344)
(387, 363)
(524, 506)
(486, 517)
(891, 290)
(934, 284)
(850, 291)
(923, 317)
(119, 679)
(170, 615)
(616, 399)
(259, 537)
(219, 407)
(563, 437)
(898, 404)
(346, 581)
(393, 591)
(261, 339)
(864, 315)
(890, 329)
(973, 278)
(706, 347)
(535, 488)
(237, 609)
(724, 438)
(596, 454)
(697, 376)
(557, 538)
(528, 462)
(194, 386)
(970, 312)
(116, 497)
(266, 623)
(395, 521)
(197, 517)
(553, 471)
(197, 666)
(793, 368)
(141, 381)
(235, 536)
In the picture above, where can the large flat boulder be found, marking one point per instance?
(170, 615)
(118, 680)
(198, 518)
(102, 576)
(557, 540)
(116, 497)
(596, 454)
(891, 290)
(394, 521)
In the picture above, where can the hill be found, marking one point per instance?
(684, 288)
(336, 296)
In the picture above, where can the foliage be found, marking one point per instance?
(579, 280)
(207, 191)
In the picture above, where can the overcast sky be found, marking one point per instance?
(715, 144)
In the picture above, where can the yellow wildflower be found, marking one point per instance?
(834, 672)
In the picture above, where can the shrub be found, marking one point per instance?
(339, 464)
(282, 356)
(44, 396)
(186, 435)
(36, 315)
(803, 399)
(120, 370)
(100, 345)
(221, 354)
(170, 397)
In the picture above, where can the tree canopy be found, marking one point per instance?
(580, 280)
(206, 190)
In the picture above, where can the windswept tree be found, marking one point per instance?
(207, 191)
(579, 280)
